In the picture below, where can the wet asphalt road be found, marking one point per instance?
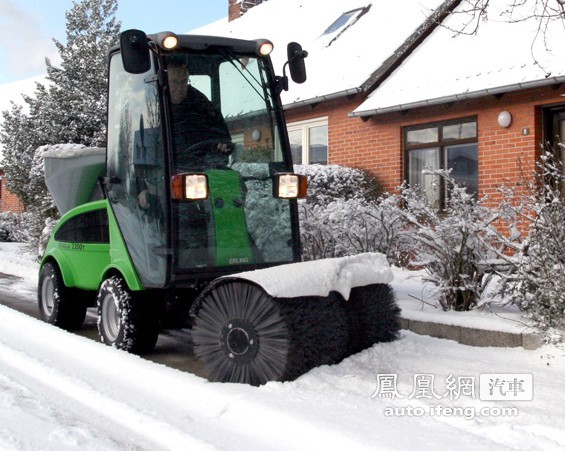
(174, 347)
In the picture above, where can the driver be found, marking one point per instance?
(195, 120)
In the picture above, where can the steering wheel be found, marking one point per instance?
(221, 145)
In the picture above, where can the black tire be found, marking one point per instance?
(59, 305)
(126, 320)
(373, 316)
(241, 334)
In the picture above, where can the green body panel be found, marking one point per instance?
(85, 265)
(119, 256)
(233, 244)
(81, 264)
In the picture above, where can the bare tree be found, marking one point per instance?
(544, 12)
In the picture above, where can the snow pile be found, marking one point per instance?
(319, 278)
(17, 261)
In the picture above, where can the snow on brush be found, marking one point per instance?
(320, 277)
(60, 391)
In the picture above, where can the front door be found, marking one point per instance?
(136, 172)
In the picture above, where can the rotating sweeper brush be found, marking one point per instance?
(192, 207)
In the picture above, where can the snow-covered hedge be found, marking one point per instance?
(13, 227)
(329, 183)
(346, 213)
(537, 277)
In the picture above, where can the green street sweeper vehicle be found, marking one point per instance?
(188, 218)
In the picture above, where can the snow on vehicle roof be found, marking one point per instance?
(69, 151)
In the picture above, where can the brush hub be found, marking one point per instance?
(238, 340)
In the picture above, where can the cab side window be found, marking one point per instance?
(89, 227)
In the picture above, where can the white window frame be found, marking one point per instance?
(305, 127)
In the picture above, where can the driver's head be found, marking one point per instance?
(178, 82)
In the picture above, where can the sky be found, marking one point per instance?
(38, 22)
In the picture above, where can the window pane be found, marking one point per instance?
(135, 159)
(463, 161)
(295, 137)
(318, 148)
(460, 131)
(419, 161)
(424, 135)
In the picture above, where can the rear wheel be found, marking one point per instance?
(126, 320)
(59, 305)
(242, 334)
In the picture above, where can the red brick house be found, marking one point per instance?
(391, 92)
(8, 200)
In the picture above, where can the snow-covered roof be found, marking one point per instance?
(501, 57)
(340, 61)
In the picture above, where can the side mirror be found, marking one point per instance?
(290, 186)
(296, 64)
(135, 51)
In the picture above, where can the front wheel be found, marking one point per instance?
(126, 320)
(58, 304)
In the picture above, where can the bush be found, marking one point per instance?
(14, 227)
(452, 246)
(335, 217)
(329, 183)
(537, 281)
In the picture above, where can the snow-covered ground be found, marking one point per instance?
(60, 391)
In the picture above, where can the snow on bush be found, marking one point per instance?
(328, 183)
(344, 214)
(537, 279)
(13, 227)
(353, 226)
(453, 245)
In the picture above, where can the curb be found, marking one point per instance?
(473, 337)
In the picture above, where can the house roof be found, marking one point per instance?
(342, 61)
(501, 57)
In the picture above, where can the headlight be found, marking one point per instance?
(290, 186)
(189, 187)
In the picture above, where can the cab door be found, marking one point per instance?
(136, 172)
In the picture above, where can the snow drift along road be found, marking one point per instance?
(61, 391)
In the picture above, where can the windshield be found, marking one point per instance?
(223, 124)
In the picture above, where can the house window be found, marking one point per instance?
(446, 145)
(342, 23)
(555, 130)
(309, 141)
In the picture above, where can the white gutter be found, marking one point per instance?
(335, 95)
(463, 96)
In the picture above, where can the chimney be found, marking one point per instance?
(238, 8)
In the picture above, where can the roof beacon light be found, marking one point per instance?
(265, 47)
(170, 41)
